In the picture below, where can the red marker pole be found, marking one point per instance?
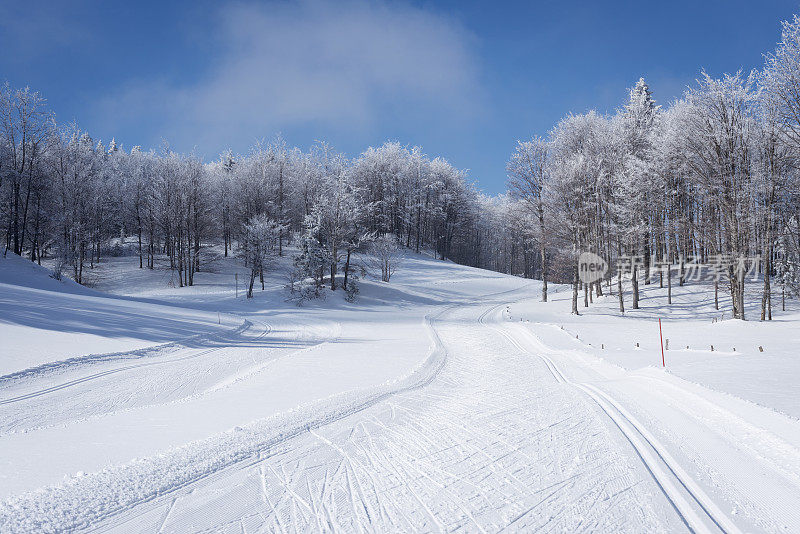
(663, 364)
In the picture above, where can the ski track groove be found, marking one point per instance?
(134, 354)
(413, 468)
(369, 401)
(152, 389)
(267, 330)
(630, 427)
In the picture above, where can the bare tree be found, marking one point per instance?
(385, 252)
(527, 170)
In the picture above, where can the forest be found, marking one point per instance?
(65, 196)
(709, 180)
(707, 187)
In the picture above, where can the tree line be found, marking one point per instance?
(66, 197)
(710, 180)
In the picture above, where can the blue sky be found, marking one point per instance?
(462, 79)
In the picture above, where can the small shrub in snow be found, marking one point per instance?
(351, 292)
(58, 270)
(301, 291)
(116, 250)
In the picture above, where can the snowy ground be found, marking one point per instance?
(691, 326)
(447, 399)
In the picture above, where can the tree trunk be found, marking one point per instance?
(252, 281)
(741, 281)
(766, 296)
(280, 210)
(17, 248)
(346, 270)
(419, 218)
(647, 258)
(543, 254)
(25, 211)
(733, 289)
(34, 251)
(669, 282)
(575, 289)
(81, 257)
(141, 263)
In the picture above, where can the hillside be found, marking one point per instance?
(449, 397)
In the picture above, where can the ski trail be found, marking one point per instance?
(719, 518)
(477, 439)
(668, 474)
(267, 500)
(429, 459)
(166, 515)
(95, 376)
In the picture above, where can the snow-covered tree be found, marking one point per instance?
(528, 171)
(385, 255)
(260, 244)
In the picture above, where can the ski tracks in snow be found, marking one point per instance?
(696, 509)
(59, 367)
(710, 457)
(487, 435)
(155, 377)
(140, 486)
(30, 374)
(484, 441)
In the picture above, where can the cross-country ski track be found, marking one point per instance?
(133, 354)
(492, 430)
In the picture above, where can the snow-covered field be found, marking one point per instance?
(449, 398)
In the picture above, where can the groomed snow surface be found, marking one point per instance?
(447, 399)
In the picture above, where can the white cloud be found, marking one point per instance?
(310, 63)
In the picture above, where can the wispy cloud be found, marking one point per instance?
(310, 63)
(31, 29)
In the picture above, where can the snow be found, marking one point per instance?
(691, 321)
(448, 398)
(46, 321)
